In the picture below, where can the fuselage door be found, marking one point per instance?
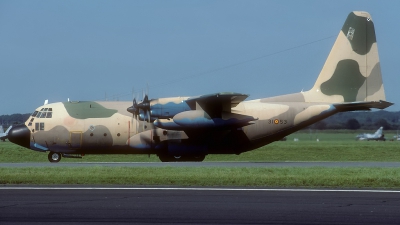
(75, 139)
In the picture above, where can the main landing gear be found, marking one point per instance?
(171, 158)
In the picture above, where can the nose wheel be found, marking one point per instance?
(54, 157)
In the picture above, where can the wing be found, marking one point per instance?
(207, 112)
(215, 104)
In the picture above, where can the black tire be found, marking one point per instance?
(54, 157)
(170, 158)
(199, 158)
(166, 158)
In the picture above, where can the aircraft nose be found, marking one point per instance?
(20, 135)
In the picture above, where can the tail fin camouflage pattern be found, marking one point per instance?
(352, 71)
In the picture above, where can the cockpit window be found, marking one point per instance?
(44, 113)
(34, 113)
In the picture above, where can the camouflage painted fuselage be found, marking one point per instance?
(107, 127)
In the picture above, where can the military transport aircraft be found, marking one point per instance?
(189, 128)
(377, 136)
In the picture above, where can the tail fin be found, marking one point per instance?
(378, 133)
(352, 70)
(8, 129)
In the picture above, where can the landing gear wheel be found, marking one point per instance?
(199, 158)
(54, 157)
(178, 158)
(166, 158)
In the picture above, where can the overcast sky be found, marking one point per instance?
(90, 50)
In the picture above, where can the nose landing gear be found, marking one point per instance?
(54, 157)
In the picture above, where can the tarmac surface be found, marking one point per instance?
(166, 205)
(59, 204)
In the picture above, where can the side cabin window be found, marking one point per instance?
(39, 126)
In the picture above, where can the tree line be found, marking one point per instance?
(363, 120)
(17, 118)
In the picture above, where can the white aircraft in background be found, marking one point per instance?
(3, 135)
(396, 137)
(377, 136)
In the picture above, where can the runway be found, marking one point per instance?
(180, 205)
(139, 205)
(205, 164)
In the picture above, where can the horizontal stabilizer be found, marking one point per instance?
(354, 106)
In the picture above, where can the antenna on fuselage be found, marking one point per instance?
(46, 102)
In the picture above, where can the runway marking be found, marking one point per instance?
(198, 189)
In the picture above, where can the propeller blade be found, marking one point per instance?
(137, 124)
(134, 103)
(148, 115)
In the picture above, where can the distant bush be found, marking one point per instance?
(16, 118)
(353, 124)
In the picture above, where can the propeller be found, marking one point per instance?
(144, 105)
(134, 109)
(141, 108)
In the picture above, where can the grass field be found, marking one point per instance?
(202, 176)
(332, 146)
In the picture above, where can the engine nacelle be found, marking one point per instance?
(145, 116)
(164, 108)
(167, 124)
(194, 119)
(198, 119)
